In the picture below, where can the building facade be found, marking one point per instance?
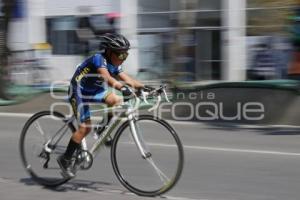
(196, 40)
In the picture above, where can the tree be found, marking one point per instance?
(7, 11)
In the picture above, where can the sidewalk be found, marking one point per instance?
(22, 94)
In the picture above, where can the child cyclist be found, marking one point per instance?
(89, 84)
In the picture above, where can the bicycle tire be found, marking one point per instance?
(26, 164)
(123, 180)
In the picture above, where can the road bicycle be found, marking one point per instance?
(146, 153)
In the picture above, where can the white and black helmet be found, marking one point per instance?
(115, 42)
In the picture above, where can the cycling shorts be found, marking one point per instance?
(80, 103)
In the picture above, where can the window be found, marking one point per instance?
(66, 39)
(61, 35)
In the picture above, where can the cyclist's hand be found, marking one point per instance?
(126, 92)
(148, 88)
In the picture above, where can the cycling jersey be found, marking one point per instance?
(87, 85)
(87, 78)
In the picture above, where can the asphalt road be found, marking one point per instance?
(221, 163)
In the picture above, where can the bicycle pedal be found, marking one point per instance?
(108, 143)
(84, 160)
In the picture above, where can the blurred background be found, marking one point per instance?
(228, 63)
(42, 41)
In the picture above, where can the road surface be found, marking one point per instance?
(221, 163)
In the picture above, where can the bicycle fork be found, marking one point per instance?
(142, 147)
(138, 138)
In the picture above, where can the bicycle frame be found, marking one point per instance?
(128, 114)
(114, 122)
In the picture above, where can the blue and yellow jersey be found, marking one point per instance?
(87, 78)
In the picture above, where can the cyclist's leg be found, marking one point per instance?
(82, 113)
(112, 99)
(109, 98)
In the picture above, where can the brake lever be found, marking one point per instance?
(136, 106)
(166, 96)
(144, 94)
(156, 105)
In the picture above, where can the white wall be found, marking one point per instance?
(36, 21)
(18, 35)
(71, 7)
(63, 67)
(33, 29)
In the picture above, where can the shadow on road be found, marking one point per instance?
(78, 185)
(264, 130)
(281, 131)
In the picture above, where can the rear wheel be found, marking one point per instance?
(44, 137)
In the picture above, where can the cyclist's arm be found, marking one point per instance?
(130, 81)
(110, 80)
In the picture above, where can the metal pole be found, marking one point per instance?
(129, 29)
(234, 40)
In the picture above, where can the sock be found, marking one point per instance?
(72, 147)
(109, 117)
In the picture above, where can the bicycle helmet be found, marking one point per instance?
(115, 42)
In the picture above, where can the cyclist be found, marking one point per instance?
(90, 83)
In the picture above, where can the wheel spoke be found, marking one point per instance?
(164, 178)
(39, 128)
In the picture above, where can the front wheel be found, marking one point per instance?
(160, 170)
